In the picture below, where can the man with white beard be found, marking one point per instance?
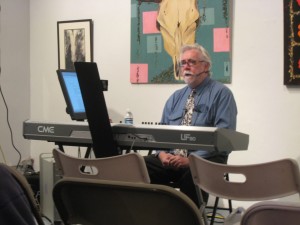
(202, 102)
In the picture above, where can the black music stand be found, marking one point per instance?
(96, 111)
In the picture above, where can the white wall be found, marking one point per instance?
(268, 110)
(14, 79)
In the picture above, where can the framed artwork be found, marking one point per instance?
(75, 42)
(160, 27)
(292, 42)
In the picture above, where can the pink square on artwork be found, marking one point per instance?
(221, 40)
(139, 73)
(149, 22)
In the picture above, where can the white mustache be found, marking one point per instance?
(187, 73)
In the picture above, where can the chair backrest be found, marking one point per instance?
(129, 167)
(103, 202)
(272, 213)
(262, 181)
(20, 180)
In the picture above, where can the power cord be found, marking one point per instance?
(10, 130)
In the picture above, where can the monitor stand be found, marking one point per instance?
(96, 111)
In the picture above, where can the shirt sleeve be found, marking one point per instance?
(225, 110)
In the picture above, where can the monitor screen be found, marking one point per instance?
(72, 94)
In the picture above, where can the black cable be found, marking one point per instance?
(137, 136)
(7, 120)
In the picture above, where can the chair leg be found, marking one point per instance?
(215, 208)
(202, 210)
(229, 201)
(212, 220)
(217, 203)
(230, 205)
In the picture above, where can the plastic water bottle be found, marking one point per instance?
(128, 118)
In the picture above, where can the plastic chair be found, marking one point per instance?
(103, 202)
(19, 180)
(130, 167)
(215, 205)
(272, 213)
(263, 181)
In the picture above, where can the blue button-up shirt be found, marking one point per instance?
(214, 107)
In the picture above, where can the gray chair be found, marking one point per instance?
(272, 213)
(104, 202)
(130, 167)
(264, 181)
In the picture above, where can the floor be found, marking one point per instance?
(233, 218)
(219, 217)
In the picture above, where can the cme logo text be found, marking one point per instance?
(45, 129)
(187, 137)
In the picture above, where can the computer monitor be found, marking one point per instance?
(71, 90)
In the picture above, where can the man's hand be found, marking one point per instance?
(175, 161)
(165, 158)
(178, 161)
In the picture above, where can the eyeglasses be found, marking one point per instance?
(189, 62)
